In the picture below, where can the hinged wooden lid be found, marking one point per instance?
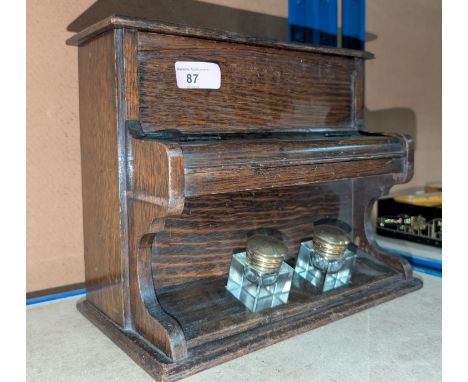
(115, 22)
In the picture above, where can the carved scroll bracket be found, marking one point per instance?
(156, 191)
(366, 192)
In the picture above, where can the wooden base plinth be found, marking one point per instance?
(203, 357)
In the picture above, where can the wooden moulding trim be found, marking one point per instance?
(115, 21)
(238, 345)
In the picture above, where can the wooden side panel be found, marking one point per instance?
(100, 176)
(199, 243)
(262, 89)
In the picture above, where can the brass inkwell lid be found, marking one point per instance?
(265, 254)
(330, 242)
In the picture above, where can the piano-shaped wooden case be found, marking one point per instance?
(175, 179)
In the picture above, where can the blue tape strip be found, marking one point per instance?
(55, 296)
(421, 264)
(429, 271)
(424, 262)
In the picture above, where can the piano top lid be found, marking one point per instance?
(116, 22)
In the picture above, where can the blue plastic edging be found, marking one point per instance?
(421, 264)
(429, 271)
(424, 262)
(55, 296)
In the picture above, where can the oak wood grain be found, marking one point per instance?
(199, 243)
(132, 23)
(279, 149)
(156, 191)
(207, 312)
(100, 176)
(261, 90)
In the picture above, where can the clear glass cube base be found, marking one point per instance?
(258, 292)
(323, 274)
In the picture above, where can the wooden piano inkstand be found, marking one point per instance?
(175, 180)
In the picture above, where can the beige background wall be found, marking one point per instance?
(403, 94)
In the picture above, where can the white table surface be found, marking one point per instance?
(396, 341)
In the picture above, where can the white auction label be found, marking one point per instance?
(197, 75)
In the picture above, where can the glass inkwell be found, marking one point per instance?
(259, 277)
(325, 261)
